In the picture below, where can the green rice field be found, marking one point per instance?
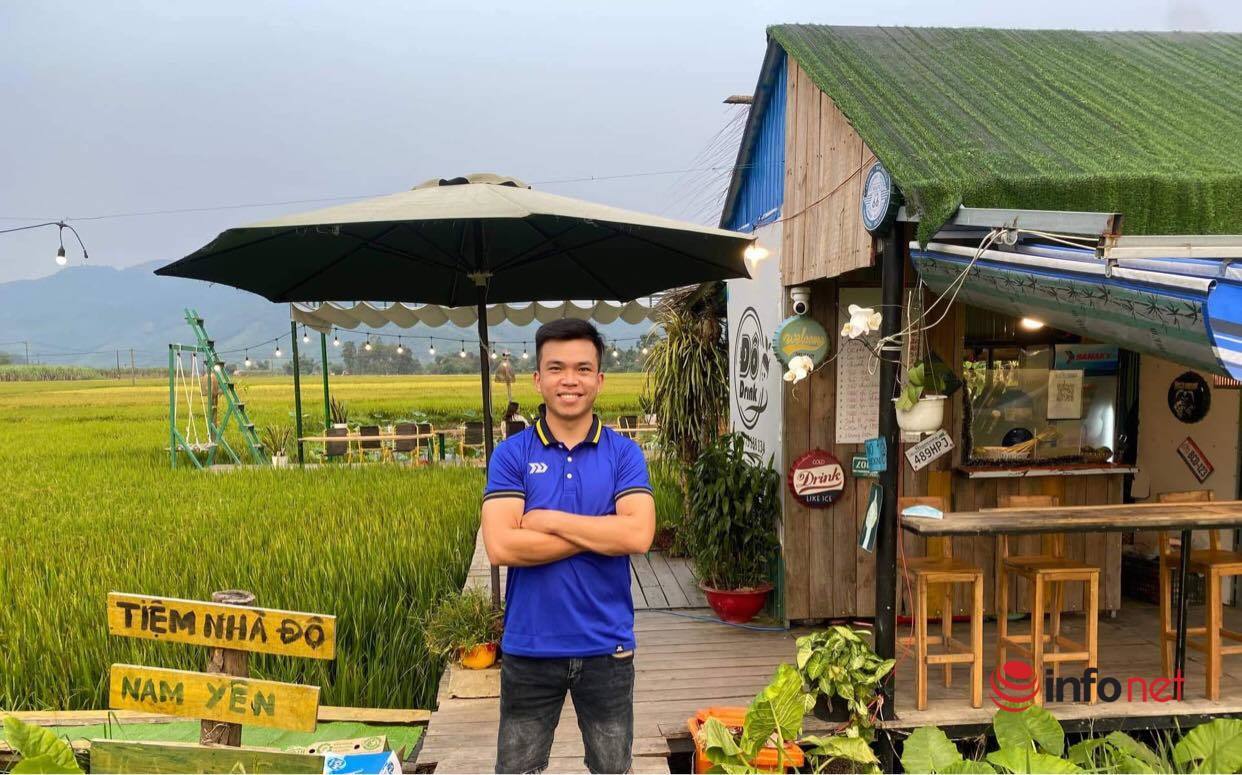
(91, 506)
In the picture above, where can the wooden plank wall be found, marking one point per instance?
(824, 161)
(824, 245)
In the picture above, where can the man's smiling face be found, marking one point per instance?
(569, 377)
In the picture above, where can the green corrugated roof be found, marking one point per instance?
(1148, 124)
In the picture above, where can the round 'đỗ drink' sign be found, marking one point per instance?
(816, 479)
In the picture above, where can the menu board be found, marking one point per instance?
(858, 373)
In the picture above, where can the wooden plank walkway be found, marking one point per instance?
(656, 580)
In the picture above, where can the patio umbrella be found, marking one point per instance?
(466, 242)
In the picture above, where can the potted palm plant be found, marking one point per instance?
(465, 628)
(731, 530)
(276, 439)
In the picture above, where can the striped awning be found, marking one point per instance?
(327, 315)
(1186, 310)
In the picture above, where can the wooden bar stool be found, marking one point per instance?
(944, 569)
(1047, 573)
(1213, 564)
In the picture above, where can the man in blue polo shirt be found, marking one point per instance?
(567, 502)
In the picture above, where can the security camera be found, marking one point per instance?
(801, 300)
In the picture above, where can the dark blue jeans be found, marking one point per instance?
(532, 693)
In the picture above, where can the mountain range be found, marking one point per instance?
(94, 316)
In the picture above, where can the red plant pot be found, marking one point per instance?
(737, 606)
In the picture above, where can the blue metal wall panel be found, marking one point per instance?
(763, 180)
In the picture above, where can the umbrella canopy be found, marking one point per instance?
(464, 241)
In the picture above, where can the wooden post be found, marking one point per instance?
(132, 375)
(229, 662)
(297, 390)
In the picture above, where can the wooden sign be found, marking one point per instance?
(1195, 460)
(816, 479)
(214, 696)
(936, 445)
(116, 756)
(220, 625)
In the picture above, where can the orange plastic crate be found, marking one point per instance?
(766, 760)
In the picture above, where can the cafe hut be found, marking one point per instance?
(1006, 255)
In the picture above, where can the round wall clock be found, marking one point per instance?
(880, 199)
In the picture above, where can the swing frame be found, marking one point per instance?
(177, 442)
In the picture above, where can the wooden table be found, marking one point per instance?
(1183, 517)
(350, 438)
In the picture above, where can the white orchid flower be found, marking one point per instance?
(800, 367)
(863, 320)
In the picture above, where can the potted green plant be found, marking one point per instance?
(839, 667)
(920, 407)
(731, 527)
(340, 414)
(465, 628)
(276, 439)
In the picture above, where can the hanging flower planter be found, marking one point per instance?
(925, 416)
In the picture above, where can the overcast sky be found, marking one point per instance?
(127, 107)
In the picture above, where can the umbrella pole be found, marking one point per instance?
(485, 375)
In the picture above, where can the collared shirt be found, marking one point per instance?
(579, 606)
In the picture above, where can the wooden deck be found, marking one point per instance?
(684, 663)
(656, 580)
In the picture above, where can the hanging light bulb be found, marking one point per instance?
(432, 349)
(367, 346)
(524, 356)
(400, 347)
(336, 341)
(61, 259)
(278, 349)
(493, 354)
(247, 361)
(463, 350)
(755, 253)
(305, 336)
(644, 351)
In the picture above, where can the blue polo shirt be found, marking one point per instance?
(579, 606)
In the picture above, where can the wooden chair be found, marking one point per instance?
(628, 424)
(1213, 564)
(513, 427)
(368, 446)
(336, 449)
(472, 439)
(428, 442)
(943, 569)
(406, 446)
(1047, 573)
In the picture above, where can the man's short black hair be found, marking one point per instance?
(566, 330)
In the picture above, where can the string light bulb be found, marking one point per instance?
(463, 350)
(278, 350)
(305, 336)
(247, 361)
(524, 355)
(367, 346)
(493, 354)
(61, 258)
(615, 354)
(644, 351)
(336, 341)
(400, 347)
(432, 349)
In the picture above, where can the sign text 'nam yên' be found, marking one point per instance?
(214, 696)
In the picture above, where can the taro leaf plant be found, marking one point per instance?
(1033, 741)
(687, 384)
(775, 718)
(734, 501)
(839, 664)
(460, 622)
(41, 750)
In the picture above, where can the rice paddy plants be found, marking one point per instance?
(91, 506)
